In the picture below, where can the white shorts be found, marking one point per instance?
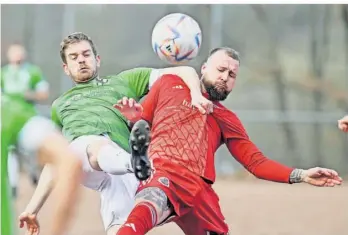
(33, 134)
(116, 191)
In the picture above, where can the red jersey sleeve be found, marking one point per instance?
(150, 102)
(245, 151)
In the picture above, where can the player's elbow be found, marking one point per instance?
(42, 95)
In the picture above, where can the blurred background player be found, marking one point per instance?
(38, 136)
(25, 81)
(182, 149)
(343, 124)
(99, 134)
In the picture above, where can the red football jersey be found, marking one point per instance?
(182, 135)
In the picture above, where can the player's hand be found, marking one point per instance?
(130, 109)
(33, 227)
(204, 105)
(321, 177)
(343, 124)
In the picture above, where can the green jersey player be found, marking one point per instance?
(25, 80)
(98, 132)
(20, 126)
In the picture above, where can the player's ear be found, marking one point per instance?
(203, 68)
(98, 60)
(66, 70)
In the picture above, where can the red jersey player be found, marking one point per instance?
(182, 148)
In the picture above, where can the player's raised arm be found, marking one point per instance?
(142, 79)
(192, 80)
(134, 111)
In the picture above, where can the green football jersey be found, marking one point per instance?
(87, 109)
(18, 80)
(14, 115)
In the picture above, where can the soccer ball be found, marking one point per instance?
(176, 38)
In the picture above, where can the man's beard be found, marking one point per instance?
(215, 94)
(86, 78)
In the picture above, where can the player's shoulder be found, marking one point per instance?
(171, 80)
(219, 107)
(168, 82)
(32, 67)
(111, 76)
(135, 71)
(127, 74)
(63, 97)
(55, 102)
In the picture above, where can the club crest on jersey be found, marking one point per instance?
(101, 81)
(164, 181)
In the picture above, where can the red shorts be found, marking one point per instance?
(194, 201)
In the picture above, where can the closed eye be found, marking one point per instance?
(232, 74)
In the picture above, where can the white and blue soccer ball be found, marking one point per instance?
(176, 38)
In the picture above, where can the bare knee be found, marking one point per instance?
(93, 151)
(158, 199)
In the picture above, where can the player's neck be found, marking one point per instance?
(96, 76)
(202, 88)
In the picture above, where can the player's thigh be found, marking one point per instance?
(91, 178)
(117, 199)
(206, 217)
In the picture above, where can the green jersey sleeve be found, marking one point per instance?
(36, 78)
(54, 115)
(138, 80)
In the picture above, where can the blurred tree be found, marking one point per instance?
(345, 21)
(319, 53)
(277, 73)
(343, 104)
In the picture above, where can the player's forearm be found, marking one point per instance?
(42, 190)
(268, 169)
(256, 163)
(189, 76)
(36, 95)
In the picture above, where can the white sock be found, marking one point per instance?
(13, 169)
(114, 160)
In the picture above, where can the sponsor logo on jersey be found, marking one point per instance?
(101, 81)
(178, 87)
